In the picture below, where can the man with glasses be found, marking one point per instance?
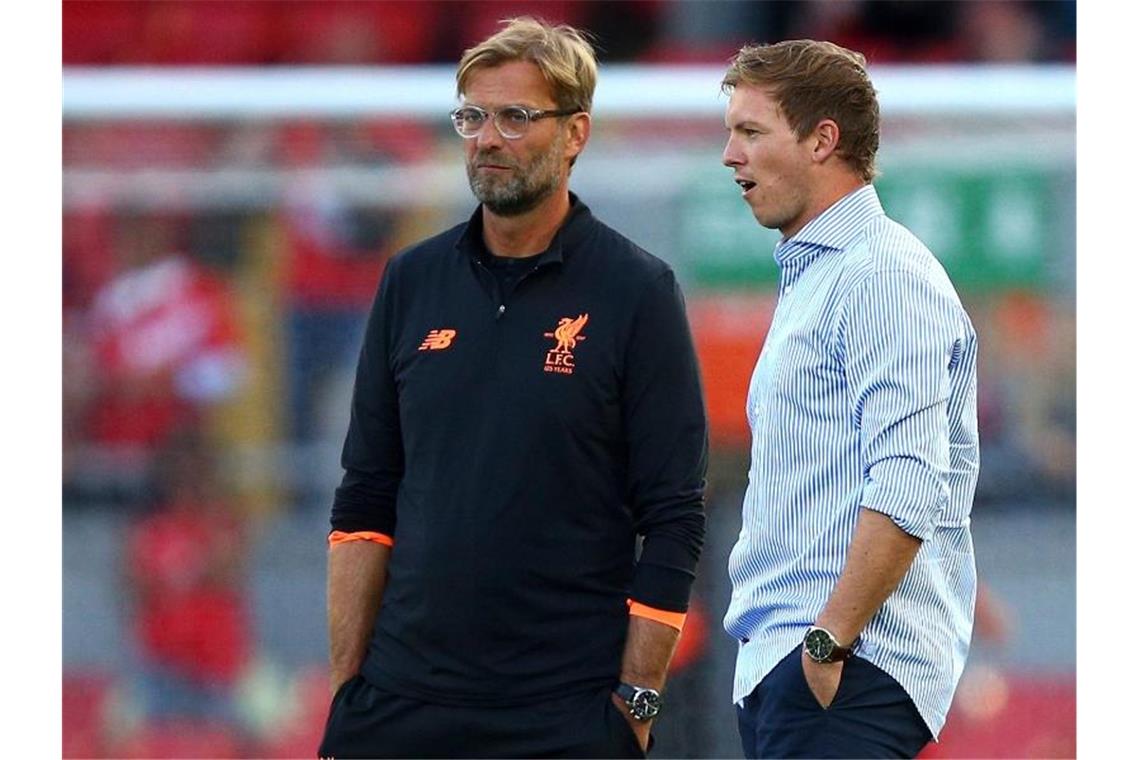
(527, 404)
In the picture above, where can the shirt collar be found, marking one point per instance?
(834, 229)
(572, 231)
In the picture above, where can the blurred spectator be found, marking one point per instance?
(157, 347)
(185, 577)
(164, 338)
(335, 252)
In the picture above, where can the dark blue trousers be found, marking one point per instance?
(366, 721)
(871, 716)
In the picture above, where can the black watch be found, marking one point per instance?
(822, 646)
(643, 703)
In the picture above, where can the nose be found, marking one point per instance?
(731, 155)
(489, 136)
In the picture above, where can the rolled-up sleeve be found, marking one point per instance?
(667, 443)
(373, 453)
(900, 334)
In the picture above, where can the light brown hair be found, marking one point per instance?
(811, 81)
(562, 53)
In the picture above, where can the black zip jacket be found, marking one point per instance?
(513, 448)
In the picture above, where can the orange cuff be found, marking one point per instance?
(671, 619)
(340, 537)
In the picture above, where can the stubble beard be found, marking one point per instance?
(523, 190)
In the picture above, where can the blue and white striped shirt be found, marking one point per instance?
(864, 396)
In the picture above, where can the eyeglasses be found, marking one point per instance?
(512, 121)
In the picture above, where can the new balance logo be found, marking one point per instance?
(437, 340)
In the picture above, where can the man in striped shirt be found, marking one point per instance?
(853, 577)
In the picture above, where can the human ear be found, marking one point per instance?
(826, 136)
(579, 134)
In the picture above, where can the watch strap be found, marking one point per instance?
(839, 654)
(625, 691)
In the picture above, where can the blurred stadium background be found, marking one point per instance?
(235, 175)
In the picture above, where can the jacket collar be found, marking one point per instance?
(573, 230)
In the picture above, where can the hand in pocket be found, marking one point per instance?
(822, 678)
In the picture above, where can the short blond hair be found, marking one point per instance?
(562, 53)
(810, 81)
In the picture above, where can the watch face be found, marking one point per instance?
(819, 644)
(646, 704)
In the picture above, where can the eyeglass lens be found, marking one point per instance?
(511, 121)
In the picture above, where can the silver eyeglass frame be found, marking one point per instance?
(531, 115)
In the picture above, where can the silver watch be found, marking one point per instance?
(822, 646)
(643, 703)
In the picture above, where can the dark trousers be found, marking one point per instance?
(366, 721)
(871, 715)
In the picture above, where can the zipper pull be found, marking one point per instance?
(499, 313)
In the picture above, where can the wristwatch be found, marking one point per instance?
(643, 703)
(822, 646)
